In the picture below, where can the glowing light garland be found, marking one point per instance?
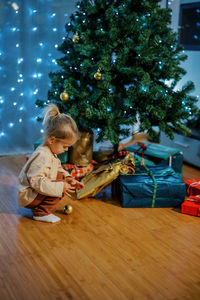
(27, 83)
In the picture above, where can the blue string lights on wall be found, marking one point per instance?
(30, 33)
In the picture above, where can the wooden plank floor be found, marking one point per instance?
(100, 251)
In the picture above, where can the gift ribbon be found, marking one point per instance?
(118, 155)
(150, 173)
(143, 147)
(194, 199)
(127, 170)
(162, 150)
(193, 184)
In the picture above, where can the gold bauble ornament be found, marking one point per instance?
(75, 38)
(67, 209)
(64, 96)
(97, 75)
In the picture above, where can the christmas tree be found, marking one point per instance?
(120, 66)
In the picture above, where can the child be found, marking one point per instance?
(43, 181)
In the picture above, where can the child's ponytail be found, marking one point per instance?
(61, 126)
(50, 113)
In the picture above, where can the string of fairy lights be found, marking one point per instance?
(26, 78)
(34, 35)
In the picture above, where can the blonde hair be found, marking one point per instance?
(62, 126)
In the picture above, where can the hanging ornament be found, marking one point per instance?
(67, 209)
(64, 96)
(75, 38)
(97, 75)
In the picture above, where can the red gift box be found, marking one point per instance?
(78, 172)
(193, 186)
(191, 206)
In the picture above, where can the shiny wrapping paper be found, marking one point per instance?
(81, 153)
(104, 175)
(157, 186)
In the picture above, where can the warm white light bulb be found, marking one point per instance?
(35, 92)
(20, 60)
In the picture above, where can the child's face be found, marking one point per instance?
(60, 146)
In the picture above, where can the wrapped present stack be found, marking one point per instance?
(155, 154)
(191, 205)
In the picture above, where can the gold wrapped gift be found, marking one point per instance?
(104, 175)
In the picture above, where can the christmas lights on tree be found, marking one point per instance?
(118, 60)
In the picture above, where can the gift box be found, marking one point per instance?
(159, 155)
(193, 186)
(104, 175)
(63, 156)
(191, 206)
(78, 172)
(157, 186)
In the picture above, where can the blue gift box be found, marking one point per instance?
(160, 155)
(157, 186)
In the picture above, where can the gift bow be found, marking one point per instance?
(195, 183)
(192, 184)
(194, 198)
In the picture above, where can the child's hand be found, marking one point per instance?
(78, 185)
(69, 188)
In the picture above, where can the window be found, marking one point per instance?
(189, 26)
